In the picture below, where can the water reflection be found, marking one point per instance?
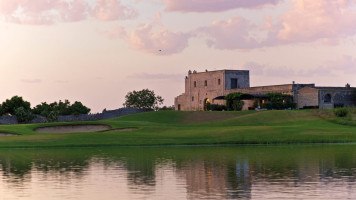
(247, 172)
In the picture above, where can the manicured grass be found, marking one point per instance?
(192, 128)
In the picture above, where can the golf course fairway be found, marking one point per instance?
(189, 128)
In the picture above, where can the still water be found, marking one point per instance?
(203, 172)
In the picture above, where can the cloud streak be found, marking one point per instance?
(160, 76)
(39, 12)
(31, 81)
(214, 5)
(344, 64)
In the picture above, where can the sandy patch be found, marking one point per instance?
(7, 134)
(73, 128)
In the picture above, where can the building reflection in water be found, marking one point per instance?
(184, 172)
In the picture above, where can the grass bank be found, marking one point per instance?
(191, 128)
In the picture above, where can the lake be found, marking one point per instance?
(200, 172)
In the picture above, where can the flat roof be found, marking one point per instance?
(220, 70)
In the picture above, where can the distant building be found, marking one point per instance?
(213, 86)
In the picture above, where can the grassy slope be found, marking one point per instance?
(179, 128)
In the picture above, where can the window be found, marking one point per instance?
(193, 98)
(219, 82)
(233, 83)
(327, 98)
(205, 83)
(195, 84)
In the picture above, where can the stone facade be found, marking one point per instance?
(214, 85)
(339, 97)
(207, 85)
(308, 97)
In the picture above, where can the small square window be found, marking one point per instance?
(205, 83)
(219, 81)
(192, 98)
(195, 84)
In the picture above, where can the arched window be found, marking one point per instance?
(327, 98)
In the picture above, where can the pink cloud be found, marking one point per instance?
(40, 12)
(29, 12)
(306, 21)
(162, 42)
(108, 10)
(214, 5)
(230, 34)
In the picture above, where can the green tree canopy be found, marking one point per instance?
(233, 101)
(143, 99)
(52, 110)
(10, 105)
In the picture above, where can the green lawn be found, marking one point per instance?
(192, 128)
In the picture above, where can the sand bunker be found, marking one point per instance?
(73, 128)
(8, 134)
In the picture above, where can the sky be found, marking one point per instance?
(96, 51)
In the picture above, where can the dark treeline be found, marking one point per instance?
(22, 109)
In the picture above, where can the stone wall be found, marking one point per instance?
(308, 97)
(200, 86)
(339, 97)
(284, 89)
(198, 92)
(242, 76)
(8, 120)
(209, 85)
(72, 118)
(181, 103)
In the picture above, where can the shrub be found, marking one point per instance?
(255, 103)
(166, 108)
(267, 105)
(216, 107)
(279, 101)
(341, 112)
(237, 105)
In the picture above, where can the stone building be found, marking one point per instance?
(213, 86)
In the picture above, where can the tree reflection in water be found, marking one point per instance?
(228, 172)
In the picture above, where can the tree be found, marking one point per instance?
(78, 108)
(24, 115)
(10, 105)
(52, 110)
(233, 101)
(144, 99)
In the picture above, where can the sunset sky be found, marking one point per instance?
(96, 51)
